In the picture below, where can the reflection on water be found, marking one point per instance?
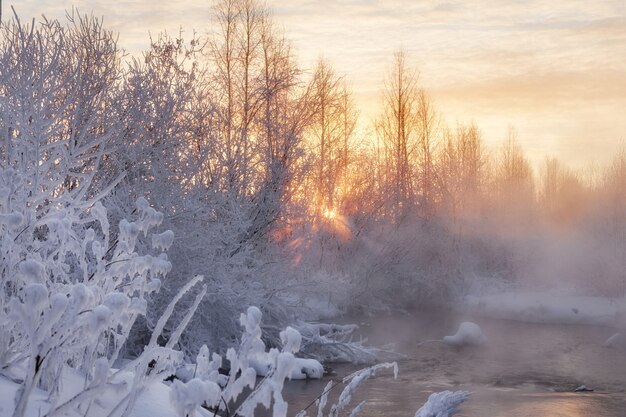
(525, 370)
(519, 403)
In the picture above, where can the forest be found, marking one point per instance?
(148, 203)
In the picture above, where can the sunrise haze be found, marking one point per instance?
(555, 71)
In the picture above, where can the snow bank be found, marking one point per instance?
(549, 308)
(307, 369)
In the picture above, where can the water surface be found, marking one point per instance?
(524, 370)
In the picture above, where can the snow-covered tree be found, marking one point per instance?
(72, 286)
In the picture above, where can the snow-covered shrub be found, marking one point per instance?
(221, 178)
(51, 142)
(443, 404)
(70, 297)
(167, 153)
(71, 285)
(209, 388)
(203, 385)
(352, 383)
(206, 387)
(336, 343)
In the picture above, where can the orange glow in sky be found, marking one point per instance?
(556, 70)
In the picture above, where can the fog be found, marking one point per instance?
(213, 198)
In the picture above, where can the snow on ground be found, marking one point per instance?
(552, 308)
(153, 401)
(37, 405)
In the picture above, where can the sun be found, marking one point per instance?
(330, 213)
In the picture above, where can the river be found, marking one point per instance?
(524, 370)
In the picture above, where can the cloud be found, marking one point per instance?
(132, 19)
(554, 69)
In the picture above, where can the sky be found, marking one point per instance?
(553, 70)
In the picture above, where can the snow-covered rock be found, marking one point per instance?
(302, 369)
(307, 369)
(442, 404)
(469, 334)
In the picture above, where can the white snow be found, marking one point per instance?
(303, 368)
(307, 369)
(35, 296)
(442, 404)
(8, 390)
(251, 320)
(117, 302)
(100, 318)
(261, 363)
(291, 340)
(33, 271)
(12, 220)
(189, 397)
(163, 241)
(468, 334)
(548, 307)
(153, 401)
(352, 383)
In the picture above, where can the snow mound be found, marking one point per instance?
(469, 334)
(303, 368)
(442, 404)
(307, 369)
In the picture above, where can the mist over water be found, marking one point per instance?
(524, 369)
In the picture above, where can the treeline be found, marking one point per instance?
(265, 179)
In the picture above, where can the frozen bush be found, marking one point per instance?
(443, 404)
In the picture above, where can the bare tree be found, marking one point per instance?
(428, 128)
(330, 133)
(560, 192)
(461, 171)
(398, 129)
(349, 121)
(514, 182)
(224, 49)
